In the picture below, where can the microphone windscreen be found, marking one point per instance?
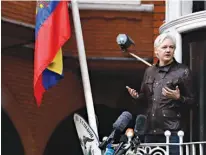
(140, 124)
(122, 121)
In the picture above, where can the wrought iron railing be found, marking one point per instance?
(190, 148)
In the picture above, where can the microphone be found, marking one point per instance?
(123, 140)
(119, 126)
(133, 144)
(124, 41)
(124, 150)
(134, 141)
(139, 128)
(129, 135)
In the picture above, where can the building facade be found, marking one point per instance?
(49, 130)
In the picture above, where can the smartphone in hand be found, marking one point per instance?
(132, 92)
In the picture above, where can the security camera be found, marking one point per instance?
(124, 41)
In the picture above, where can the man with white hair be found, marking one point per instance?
(167, 88)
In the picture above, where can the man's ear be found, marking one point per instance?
(156, 52)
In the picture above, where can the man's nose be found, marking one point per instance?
(168, 49)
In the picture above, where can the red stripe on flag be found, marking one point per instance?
(54, 32)
(39, 90)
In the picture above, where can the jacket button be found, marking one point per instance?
(164, 115)
(152, 114)
(154, 99)
(154, 130)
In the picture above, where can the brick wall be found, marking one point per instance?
(100, 29)
(35, 125)
(158, 17)
(23, 11)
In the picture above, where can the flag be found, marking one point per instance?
(51, 32)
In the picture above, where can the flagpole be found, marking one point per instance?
(83, 67)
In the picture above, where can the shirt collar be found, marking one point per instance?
(165, 68)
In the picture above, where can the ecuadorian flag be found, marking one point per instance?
(51, 32)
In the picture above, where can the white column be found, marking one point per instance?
(83, 67)
(181, 135)
(173, 10)
(166, 11)
(178, 50)
(186, 7)
(167, 134)
(179, 8)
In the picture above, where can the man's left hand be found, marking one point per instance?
(173, 94)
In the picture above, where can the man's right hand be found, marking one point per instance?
(132, 92)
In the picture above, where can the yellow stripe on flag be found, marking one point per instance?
(57, 64)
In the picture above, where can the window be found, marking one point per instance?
(198, 6)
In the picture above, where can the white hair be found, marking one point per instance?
(158, 41)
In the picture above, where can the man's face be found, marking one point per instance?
(165, 51)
